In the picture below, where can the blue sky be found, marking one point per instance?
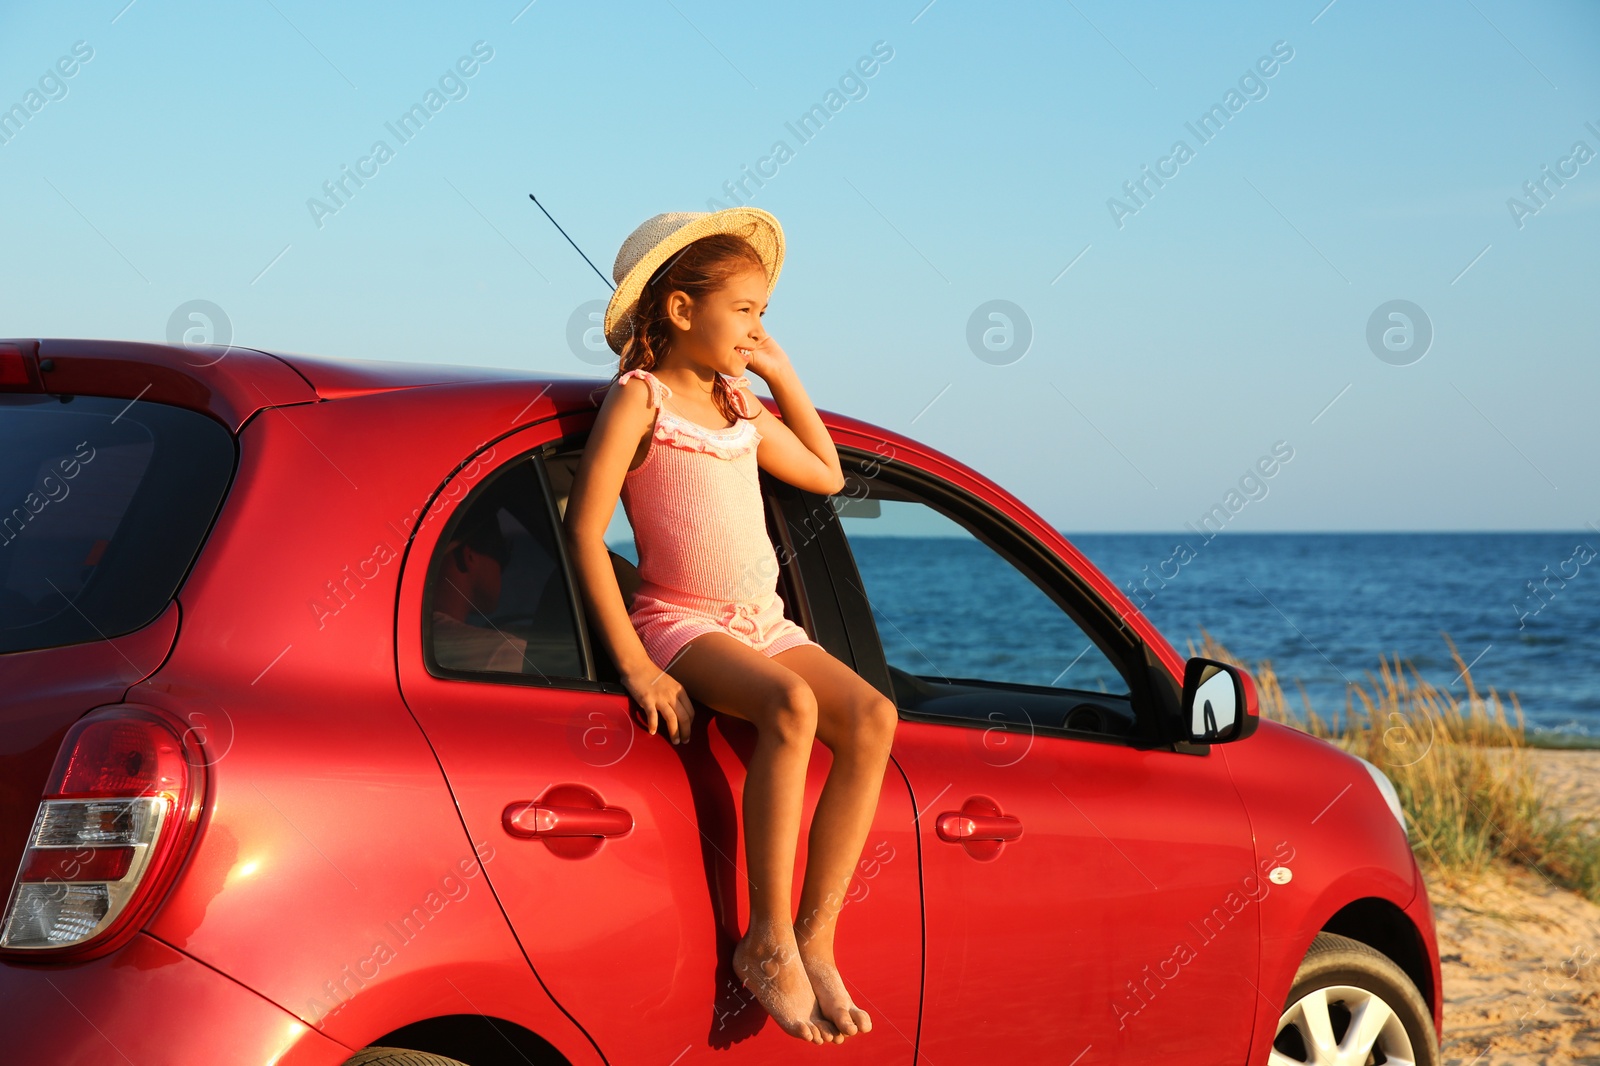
(1172, 347)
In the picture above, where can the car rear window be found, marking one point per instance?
(103, 505)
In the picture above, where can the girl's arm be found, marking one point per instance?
(796, 448)
(625, 417)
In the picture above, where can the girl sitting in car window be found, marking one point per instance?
(679, 439)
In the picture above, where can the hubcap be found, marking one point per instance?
(1341, 1026)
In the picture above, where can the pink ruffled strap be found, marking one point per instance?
(734, 385)
(658, 389)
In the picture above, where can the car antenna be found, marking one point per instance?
(572, 242)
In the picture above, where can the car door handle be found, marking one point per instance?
(548, 820)
(571, 820)
(957, 827)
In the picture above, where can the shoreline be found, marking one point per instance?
(1550, 741)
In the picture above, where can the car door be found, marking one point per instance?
(617, 855)
(1084, 885)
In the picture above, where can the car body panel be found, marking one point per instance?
(1420, 912)
(315, 760)
(1314, 814)
(229, 384)
(1093, 932)
(149, 1003)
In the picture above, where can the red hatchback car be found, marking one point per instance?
(285, 781)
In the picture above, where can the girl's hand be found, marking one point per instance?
(661, 697)
(767, 359)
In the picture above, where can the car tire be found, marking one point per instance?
(1341, 981)
(398, 1056)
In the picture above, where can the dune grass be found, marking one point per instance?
(1471, 795)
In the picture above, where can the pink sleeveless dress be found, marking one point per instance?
(706, 564)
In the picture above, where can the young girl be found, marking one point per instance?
(679, 438)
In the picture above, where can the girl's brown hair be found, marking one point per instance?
(699, 269)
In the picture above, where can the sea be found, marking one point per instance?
(1523, 609)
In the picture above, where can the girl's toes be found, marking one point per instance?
(862, 1019)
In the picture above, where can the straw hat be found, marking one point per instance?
(660, 238)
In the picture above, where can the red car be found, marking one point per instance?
(309, 757)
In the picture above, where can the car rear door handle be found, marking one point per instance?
(957, 827)
(548, 820)
(571, 820)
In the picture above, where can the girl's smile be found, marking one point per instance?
(723, 330)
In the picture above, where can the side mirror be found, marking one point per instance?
(1219, 702)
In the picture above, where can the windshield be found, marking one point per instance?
(103, 505)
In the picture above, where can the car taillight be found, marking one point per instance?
(117, 815)
(17, 371)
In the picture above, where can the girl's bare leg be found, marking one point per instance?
(732, 677)
(857, 723)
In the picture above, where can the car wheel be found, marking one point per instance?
(1350, 1005)
(398, 1056)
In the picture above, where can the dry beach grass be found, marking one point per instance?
(1508, 837)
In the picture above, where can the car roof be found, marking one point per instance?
(335, 377)
(231, 382)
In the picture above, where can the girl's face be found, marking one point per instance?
(719, 330)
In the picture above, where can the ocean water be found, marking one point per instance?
(1522, 608)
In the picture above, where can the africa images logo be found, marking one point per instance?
(1252, 87)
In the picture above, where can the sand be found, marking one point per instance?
(1521, 957)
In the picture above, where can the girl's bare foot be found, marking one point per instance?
(832, 999)
(769, 965)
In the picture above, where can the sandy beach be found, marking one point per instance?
(1521, 956)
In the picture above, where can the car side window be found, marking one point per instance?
(965, 632)
(497, 605)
